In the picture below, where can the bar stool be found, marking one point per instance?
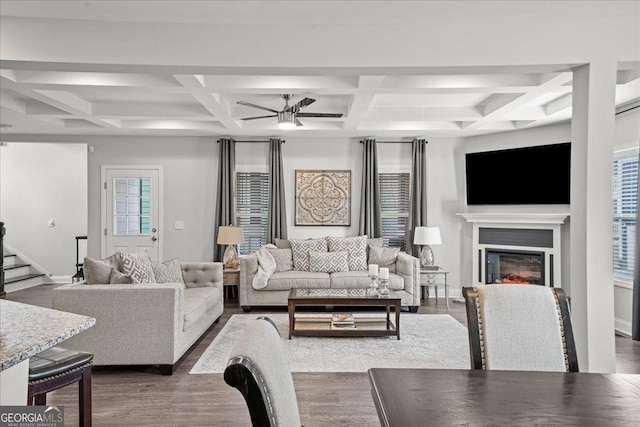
(58, 367)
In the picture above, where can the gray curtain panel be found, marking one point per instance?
(635, 308)
(370, 217)
(226, 203)
(418, 192)
(277, 227)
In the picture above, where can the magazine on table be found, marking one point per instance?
(343, 319)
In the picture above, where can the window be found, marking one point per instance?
(132, 204)
(625, 195)
(394, 206)
(252, 207)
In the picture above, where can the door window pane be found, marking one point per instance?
(132, 206)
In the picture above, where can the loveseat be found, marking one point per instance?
(404, 278)
(145, 324)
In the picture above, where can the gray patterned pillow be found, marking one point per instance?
(384, 257)
(301, 249)
(283, 257)
(138, 267)
(329, 262)
(117, 278)
(168, 271)
(357, 248)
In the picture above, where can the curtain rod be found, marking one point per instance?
(393, 142)
(283, 141)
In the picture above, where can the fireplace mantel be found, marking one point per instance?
(516, 218)
(491, 231)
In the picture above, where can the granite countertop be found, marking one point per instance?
(26, 330)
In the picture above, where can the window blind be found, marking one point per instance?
(252, 207)
(625, 195)
(394, 207)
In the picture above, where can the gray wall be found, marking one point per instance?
(189, 178)
(39, 182)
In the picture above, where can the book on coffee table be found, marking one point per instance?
(343, 319)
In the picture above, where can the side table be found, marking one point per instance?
(231, 281)
(435, 278)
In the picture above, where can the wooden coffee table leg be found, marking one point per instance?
(397, 308)
(292, 318)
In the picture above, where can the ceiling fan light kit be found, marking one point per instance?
(288, 117)
(287, 120)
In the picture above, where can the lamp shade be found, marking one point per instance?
(230, 235)
(427, 236)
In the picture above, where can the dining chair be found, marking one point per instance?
(57, 367)
(520, 327)
(258, 367)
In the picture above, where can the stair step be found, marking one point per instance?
(11, 267)
(24, 277)
(9, 255)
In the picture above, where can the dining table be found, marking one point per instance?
(458, 397)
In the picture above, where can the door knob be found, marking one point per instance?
(153, 230)
(154, 238)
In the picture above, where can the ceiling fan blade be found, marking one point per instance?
(336, 115)
(301, 104)
(248, 104)
(259, 117)
(299, 123)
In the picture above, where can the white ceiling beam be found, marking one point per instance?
(62, 100)
(94, 79)
(462, 81)
(367, 86)
(500, 105)
(133, 110)
(558, 104)
(194, 84)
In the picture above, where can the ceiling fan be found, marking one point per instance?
(288, 117)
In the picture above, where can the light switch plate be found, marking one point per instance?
(179, 225)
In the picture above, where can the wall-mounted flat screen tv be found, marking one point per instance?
(539, 175)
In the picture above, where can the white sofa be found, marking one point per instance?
(405, 282)
(145, 324)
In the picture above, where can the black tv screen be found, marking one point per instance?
(539, 175)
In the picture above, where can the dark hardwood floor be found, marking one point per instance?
(140, 396)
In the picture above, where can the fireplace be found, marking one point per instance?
(530, 241)
(514, 267)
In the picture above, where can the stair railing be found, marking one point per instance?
(2, 233)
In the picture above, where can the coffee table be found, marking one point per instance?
(319, 325)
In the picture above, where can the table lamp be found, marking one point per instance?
(230, 235)
(426, 236)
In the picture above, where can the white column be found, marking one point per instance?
(591, 289)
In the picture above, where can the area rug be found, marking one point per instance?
(426, 341)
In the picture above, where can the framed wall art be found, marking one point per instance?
(323, 197)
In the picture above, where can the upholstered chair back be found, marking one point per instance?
(520, 327)
(258, 367)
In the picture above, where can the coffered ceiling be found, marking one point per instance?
(127, 99)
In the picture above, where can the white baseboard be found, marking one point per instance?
(623, 327)
(59, 279)
(26, 284)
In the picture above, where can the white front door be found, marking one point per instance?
(131, 210)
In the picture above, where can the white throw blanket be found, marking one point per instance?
(266, 267)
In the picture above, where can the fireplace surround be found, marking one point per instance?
(523, 248)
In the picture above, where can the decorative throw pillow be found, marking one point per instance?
(301, 249)
(168, 271)
(329, 262)
(355, 246)
(97, 271)
(384, 257)
(376, 241)
(118, 278)
(283, 257)
(282, 243)
(138, 266)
